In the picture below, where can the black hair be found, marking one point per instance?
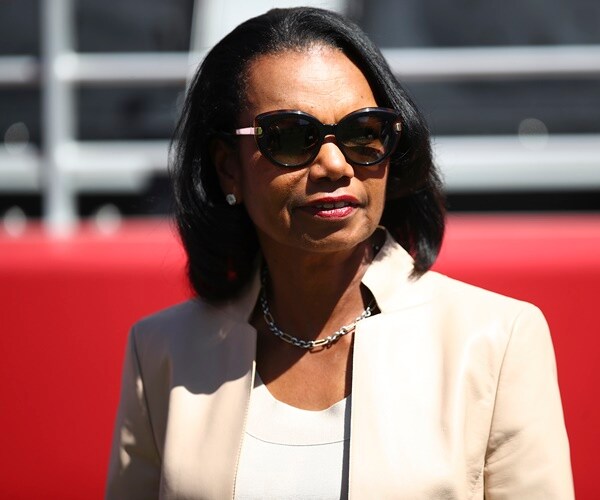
(220, 240)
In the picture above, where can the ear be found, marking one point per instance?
(225, 159)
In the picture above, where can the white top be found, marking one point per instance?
(289, 453)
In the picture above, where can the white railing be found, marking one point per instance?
(495, 63)
(65, 166)
(447, 64)
(19, 70)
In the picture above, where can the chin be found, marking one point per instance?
(317, 238)
(338, 241)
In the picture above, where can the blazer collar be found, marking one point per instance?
(389, 278)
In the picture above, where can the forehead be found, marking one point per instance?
(319, 80)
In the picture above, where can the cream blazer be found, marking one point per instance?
(454, 396)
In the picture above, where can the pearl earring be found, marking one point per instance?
(231, 199)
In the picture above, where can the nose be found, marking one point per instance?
(330, 163)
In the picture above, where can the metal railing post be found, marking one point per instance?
(58, 115)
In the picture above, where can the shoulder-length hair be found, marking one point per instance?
(220, 240)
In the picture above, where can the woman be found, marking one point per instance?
(321, 358)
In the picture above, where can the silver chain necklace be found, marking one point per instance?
(295, 341)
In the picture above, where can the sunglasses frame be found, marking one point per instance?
(262, 121)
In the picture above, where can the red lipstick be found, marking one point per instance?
(332, 207)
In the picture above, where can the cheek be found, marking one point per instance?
(267, 192)
(377, 193)
(252, 179)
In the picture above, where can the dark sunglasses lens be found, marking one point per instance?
(367, 138)
(289, 141)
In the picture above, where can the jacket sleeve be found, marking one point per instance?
(528, 449)
(134, 469)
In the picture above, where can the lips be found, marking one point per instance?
(332, 208)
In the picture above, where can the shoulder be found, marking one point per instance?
(458, 294)
(484, 320)
(456, 315)
(200, 318)
(160, 333)
(176, 320)
(194, 326)
(176, 317)
(474, 304)
(390, 280)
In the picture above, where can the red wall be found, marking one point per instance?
(66, 306)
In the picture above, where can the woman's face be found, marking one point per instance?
(328, 205)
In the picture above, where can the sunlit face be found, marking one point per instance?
(328, 205)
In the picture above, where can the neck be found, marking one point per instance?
(313, 295)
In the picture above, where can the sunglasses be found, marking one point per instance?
(290, 138)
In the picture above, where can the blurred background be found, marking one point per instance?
(90, 92)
